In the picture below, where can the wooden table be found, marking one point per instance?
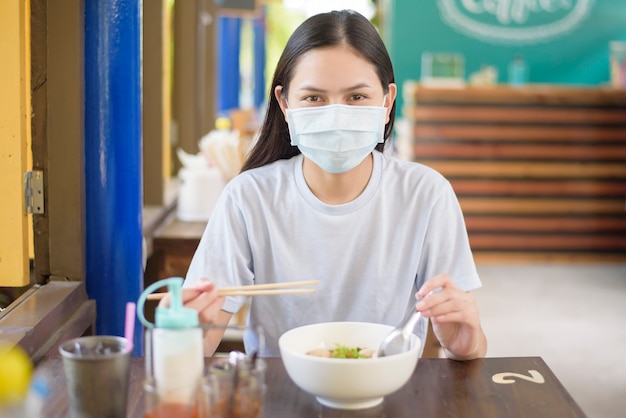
(490, 387)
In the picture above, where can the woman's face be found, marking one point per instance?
(334, 75)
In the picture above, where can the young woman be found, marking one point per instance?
(318, 200)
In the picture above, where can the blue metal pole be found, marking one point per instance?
(229, 40)
(113, 160)
(259, 59)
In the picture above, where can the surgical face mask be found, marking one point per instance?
(337, 137)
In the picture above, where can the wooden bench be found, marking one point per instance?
(540, 171)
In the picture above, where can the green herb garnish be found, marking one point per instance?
(342, 351)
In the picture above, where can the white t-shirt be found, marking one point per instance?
(371, 255)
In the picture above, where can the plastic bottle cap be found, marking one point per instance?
(222, 123)
(176, 316)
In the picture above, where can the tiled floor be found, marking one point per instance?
(573, 316)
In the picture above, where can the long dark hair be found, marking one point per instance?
(322, 30)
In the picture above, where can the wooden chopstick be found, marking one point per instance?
(255, 290)
(263, 292)
(270, 286)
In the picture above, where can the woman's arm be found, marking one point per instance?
(213, 337)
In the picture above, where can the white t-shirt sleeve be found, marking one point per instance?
(446, 245)
(223, 255)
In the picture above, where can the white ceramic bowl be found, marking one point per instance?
(346, 383)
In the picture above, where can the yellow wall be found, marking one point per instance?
(14, 139)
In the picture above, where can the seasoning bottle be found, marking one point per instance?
(173, 346)
(518, 71)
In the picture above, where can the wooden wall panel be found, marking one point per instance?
(540, 171)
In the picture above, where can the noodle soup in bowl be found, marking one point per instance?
(346, 383)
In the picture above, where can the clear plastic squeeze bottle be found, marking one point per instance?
(174, 345)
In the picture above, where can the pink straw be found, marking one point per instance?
(129, 329)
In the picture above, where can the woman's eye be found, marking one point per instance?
(312, 98)
(357, 97)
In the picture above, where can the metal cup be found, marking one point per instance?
(97, 374)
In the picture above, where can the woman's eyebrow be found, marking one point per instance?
(347, 89)
(357, 87)
(311, 89)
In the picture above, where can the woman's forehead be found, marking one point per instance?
(333, 68)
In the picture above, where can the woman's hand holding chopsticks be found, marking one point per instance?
(201, 296)
(205, 298)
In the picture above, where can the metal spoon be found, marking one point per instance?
(399, 339)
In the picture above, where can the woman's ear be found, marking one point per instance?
(282, 102)
(390, 98)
